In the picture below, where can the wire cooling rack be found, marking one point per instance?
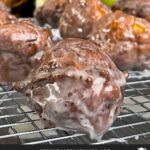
(19, 124)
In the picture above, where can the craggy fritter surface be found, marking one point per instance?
(76, 86)
(79, 16)
(139, 8)
(50, 12)
(21, 44)
(125, 38)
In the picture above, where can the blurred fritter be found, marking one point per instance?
(6, 17)
(50, 12)
(77, 87)
(3, 5)
(125, 38)
(21, 46)
(139, 8)
(79, 16)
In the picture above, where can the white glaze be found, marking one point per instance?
(98, 85)
(23, 37)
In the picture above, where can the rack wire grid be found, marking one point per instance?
(19, 124)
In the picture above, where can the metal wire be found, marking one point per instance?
(19, 124)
